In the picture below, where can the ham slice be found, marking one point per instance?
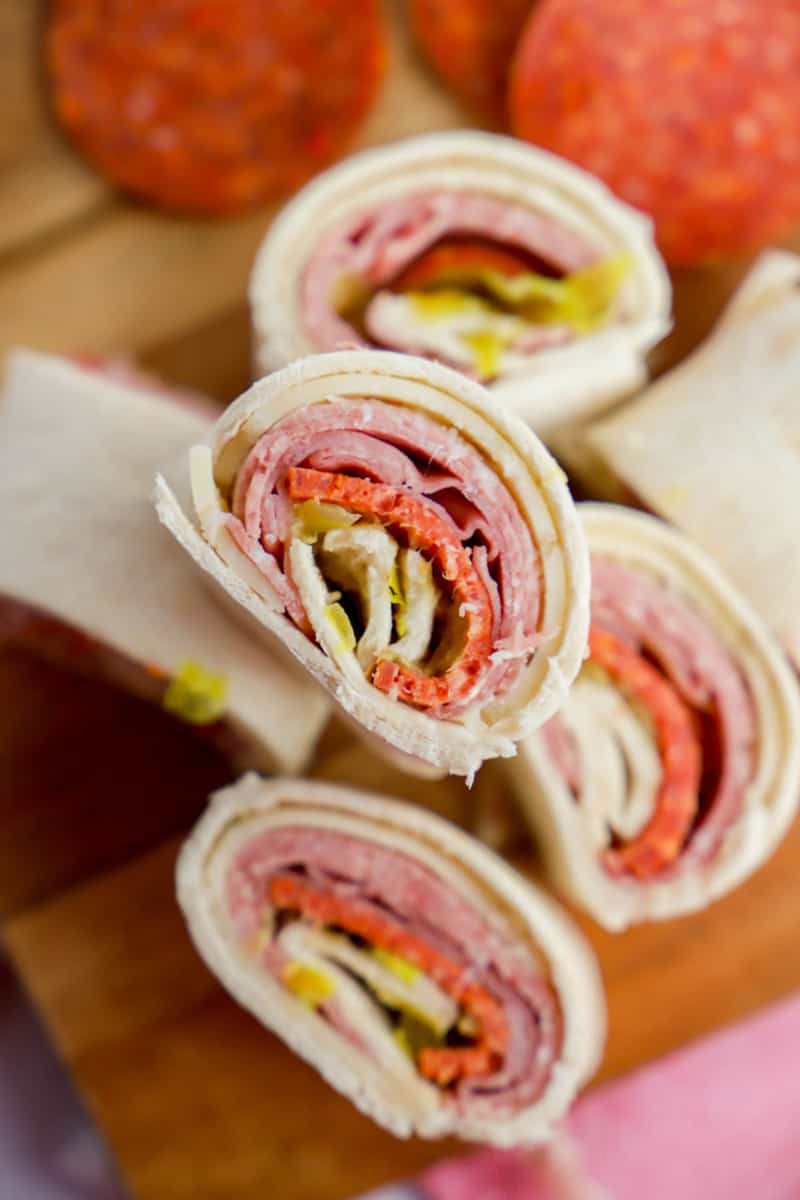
(377, 244)
(424, 978)
(673, 768)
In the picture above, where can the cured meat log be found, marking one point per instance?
(496, 258)
(413, 546)
(79, 443)
(414, 969)
(673, 770)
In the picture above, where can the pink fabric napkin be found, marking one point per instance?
(49, 1149)
(718, 1120)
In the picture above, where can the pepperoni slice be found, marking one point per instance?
(458, 257)
(213, 106)
(661, 840)
(441, 1064)
(689, 111)
(470, 43)
(429, 532)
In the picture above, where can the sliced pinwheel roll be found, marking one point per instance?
(414, 969)
(499, 259)
(736, 395)
(673, 770)
(94, 581)
(416, 548)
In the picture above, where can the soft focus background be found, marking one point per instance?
(97, 786)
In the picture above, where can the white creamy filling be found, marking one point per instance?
(412, 991)
(395, 590)
(317, 602)
(361, 559)
(620, 765)
(372, 1026)
(396, 320)
(420, 601)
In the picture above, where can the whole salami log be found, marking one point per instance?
(413, 968)
(412, 545)
(496, 258)
(673, 770)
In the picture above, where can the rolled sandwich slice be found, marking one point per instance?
(91, 579)
(673, 770)
(738, 393)
(422, 977)
(496, 258)
(414, 546)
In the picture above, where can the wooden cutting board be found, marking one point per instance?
(195, 1099)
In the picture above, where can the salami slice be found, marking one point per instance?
(690, 112)
(212, 107)
(471, 43)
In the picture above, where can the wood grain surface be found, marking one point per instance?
(195, 1099)
(198, 1101)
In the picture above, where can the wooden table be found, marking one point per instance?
(195, 1099)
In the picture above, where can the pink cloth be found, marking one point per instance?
(49, 1149)
(718, 1120)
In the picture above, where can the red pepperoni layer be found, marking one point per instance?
(439, 263)
(211, 106)
(445, 490)
(688, 110)
(443, 1064)
(661, 840)
(393, 901)
(424, 529)
(668, 660)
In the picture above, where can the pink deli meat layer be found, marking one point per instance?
(369, 878)
(375, 246)
(639, 611)
(417, 457)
